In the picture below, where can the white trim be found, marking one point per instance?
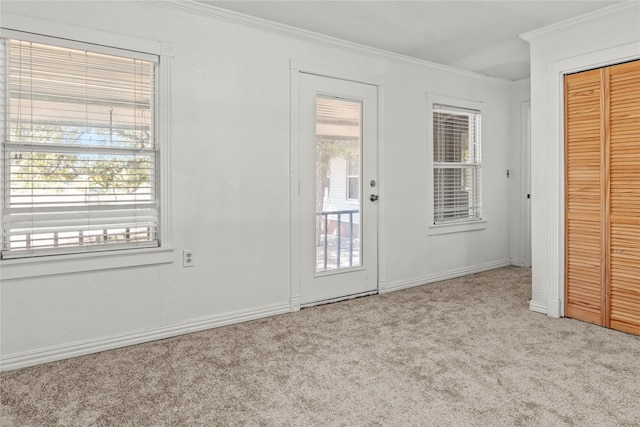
(48, 29)
(537, 307)
(295, 304)
(450, 101)
(525, 184)
(554, 257)
(380, 185)
(518, 262)
(294, 183)
(554, 307)
(596, 15)
(438, 277)
(224, 15)
(164, 129)
(596, 59)
(51, 354)
(23, 268)
(455, 227)
(78, 45)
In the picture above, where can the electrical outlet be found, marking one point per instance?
(188, 258)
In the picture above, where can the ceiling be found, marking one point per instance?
(479, 36)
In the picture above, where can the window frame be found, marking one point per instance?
(460, 225)
(350, 176)
(28, 29)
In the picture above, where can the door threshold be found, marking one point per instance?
(342, 298)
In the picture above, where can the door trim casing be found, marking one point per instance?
(552, 259)
(296, 67)
(525, 185)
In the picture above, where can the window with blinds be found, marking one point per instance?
(79, 150)
(457, 177)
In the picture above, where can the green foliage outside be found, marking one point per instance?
(105, 173)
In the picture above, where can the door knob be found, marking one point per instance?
(373, 197)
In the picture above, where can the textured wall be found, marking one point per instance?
(230, 184)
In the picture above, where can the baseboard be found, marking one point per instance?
(538, 307)
(437, 277)
(51, 354)
(295, 303)
(519, 262)
(554, 307)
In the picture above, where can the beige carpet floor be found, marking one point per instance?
(464, 352)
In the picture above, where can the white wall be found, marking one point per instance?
(601, 38)
(412, 256)
(230, 186)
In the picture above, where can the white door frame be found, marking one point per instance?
(296, 67)
(551, 257)
(525, 185)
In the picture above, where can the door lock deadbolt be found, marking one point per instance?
(372, 183)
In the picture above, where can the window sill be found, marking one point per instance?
(456, 227)
(64, 264)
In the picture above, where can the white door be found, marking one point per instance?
(338, 189)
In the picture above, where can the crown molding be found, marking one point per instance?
(616, 9)
(208, 11)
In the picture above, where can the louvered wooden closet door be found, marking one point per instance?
(585, 197)
(624, 214)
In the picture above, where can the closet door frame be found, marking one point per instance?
(553, 260)
(601, 131)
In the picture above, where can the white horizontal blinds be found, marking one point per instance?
(79, 152)
(456, 164)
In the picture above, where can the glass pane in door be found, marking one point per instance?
(338, 183)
